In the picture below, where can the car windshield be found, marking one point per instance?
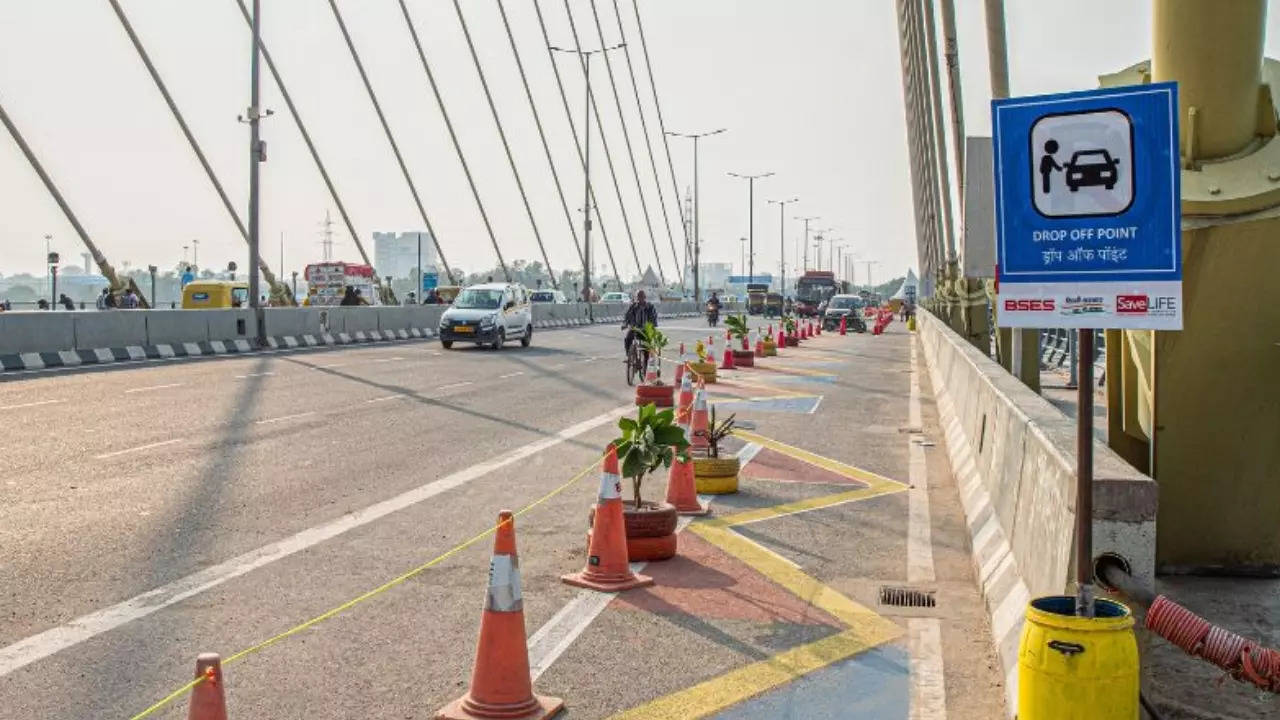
(476, 299)
(542, 296)
(1093, 157)
(846, 303)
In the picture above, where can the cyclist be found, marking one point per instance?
(640, 311)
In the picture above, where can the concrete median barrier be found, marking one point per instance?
(34, 332)
(1013, 454)
(114, 328)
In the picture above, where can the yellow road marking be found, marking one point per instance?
(808, 504)
(732, 688)
(826, 463)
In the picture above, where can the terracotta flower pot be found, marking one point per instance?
(718, 475)
(651, 532)
(661, 395)
(744, 358)
(705, 371)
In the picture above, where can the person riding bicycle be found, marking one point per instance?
(640, 311)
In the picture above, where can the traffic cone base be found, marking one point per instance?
(606, 582)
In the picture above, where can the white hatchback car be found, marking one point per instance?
(488, 314)
(615, 297)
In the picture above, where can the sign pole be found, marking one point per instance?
(1084, 478)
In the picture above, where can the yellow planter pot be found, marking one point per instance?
(1075, 667)
(705, 371)
(716, 476)
(770, 348)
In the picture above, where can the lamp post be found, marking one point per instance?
(586, 56)
(155, 301)
(742, 255)
(697, 208)
(47, 240)
(751, 216)
(805, 243)
(782, 242)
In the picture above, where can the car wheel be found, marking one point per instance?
(528, 336)
(447, 344)
(1110, 185)
(499, 339)
(1073, 188)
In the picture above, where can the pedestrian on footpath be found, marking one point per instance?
(130, 300)
(66, 301)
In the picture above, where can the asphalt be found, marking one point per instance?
(349, 467)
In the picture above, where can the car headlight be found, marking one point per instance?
(487, 320)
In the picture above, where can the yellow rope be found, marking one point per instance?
(365, 596)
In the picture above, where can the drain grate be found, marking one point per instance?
(907, 597)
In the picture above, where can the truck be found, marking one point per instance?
(812, 289)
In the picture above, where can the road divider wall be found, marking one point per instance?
(35, 340)
(1013, 455)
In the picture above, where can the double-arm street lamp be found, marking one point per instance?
(751, 218)
(697, 205)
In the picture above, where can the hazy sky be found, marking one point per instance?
(809, 89)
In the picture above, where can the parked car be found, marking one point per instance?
(616, 297)
(548, 296)
(488, 314)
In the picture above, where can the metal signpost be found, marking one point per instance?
(1088, 235)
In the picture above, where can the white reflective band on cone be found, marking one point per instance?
(700, 401)
(504, 585)
(610, 486)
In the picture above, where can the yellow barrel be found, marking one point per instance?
(1073, 667)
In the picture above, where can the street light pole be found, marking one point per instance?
(742, 255)
(697, 209)
(805, 244)
(257, 155)
(47, 240)
(782, 242)
(751, 216)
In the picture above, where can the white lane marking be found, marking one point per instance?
(282, 418)
(814, 409)
(552, 639)
(390, 359)
(253, 375)
(385, 398)
(140, 448)
(30, 404)
(36, 647)
(748, 453)
(556, 367)
(919, 537)
(510, 375)
(330, 365)
(928, 681)
(450, 386)
(153, 387)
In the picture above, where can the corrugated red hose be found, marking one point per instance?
(1242, 658)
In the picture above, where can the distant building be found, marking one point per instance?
(712, 276)
(396, 254)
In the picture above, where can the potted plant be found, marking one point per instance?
(789, 328)
(716, 473)
(770, 345)
(657, 392)
(650, 441)
(737, 325)
(704, 368)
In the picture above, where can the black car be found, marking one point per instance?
(846, 306)
(1091, 167)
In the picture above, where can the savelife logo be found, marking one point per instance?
(1025, 305)
(1131, 304)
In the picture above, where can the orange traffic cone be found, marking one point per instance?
(500, 684)
(680, 366)
(727, 336)
(698, 430)
(681, 487)
(684, 406)
(607, 569)
(207, 699)
(727, 363)
(759, 347)
(782, 339)
(843, 318)
(817, 328)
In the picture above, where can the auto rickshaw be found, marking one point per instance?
(215, 294)
(773, 305)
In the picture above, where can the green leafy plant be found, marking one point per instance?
(789, 324)
(717, 431)
(737, 326)
(654, 342)
(649, 441)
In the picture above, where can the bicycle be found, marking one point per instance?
(635, 362)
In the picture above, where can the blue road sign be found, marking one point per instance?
(1088, 211)
(430, 280)
(764, 279)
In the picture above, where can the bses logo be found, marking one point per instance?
(1131, 304)
(1022, 305)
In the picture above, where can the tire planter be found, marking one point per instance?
(793, 341)
(651, 533)
(744, 358)
(705, 371)
(660, 395)
(716, 476)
